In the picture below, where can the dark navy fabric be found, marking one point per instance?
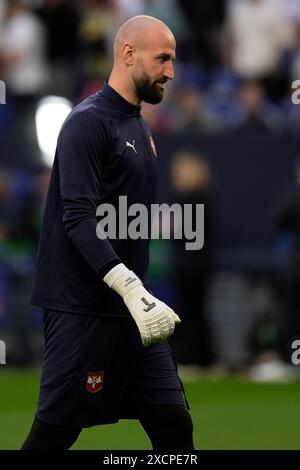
(93, 164)
(133, 376)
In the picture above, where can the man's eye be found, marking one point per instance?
(161, 59)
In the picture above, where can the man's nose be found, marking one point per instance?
(169, 71)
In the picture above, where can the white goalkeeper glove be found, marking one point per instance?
(154, 319)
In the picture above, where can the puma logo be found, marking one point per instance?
(128, 144)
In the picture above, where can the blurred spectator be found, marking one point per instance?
(128, 9)
(205, 19)
(191, 114)
(97, 22)
(221, 101)
(189, 103)
(295, 63)
(191, 178)
(290, 9)
(2, 13)
(256, 112)
(257, 36)
(23, 67)
(22, 51)
(61, 19)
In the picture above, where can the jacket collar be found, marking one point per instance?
(123, 105)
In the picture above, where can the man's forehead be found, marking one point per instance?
(164, 45)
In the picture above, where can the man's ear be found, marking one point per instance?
(128, 54)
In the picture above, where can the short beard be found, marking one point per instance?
(150, 93)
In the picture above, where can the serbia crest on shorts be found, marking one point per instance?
(94, 381)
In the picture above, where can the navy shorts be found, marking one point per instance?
(96, 371)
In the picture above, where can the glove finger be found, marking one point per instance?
(146, 338)
(158, 340)
(171, 320)
(171, 327)
(164, 332)
(174, 316)
(146, 342)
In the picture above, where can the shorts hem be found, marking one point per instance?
(130, 413)
(64, 421)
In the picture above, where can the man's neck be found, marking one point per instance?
(122, 87)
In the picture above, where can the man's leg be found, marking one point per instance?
(169, 427)
(45, 436)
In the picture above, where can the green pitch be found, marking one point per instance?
(227, 414)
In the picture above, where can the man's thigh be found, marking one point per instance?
(154, 381)
(87, 363)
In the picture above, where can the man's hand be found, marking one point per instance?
(154, 319)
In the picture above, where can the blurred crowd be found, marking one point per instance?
(236, 61)
(22, 199)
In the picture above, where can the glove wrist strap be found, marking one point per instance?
(121, 279)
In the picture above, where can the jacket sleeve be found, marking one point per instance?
(82, 148)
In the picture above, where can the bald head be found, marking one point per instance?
(140, 31)
(144, 51)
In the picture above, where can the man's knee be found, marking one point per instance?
(168, 427)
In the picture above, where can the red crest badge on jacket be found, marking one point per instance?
(94, 381)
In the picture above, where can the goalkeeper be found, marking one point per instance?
(106, 355)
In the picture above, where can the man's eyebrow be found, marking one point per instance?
(165, 55)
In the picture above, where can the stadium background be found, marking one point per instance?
(227, 134)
